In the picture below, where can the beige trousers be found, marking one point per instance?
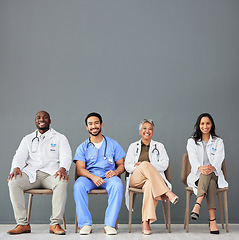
(207, 185)
(147, 177)
(43, 180)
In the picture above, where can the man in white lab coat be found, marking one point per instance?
(42, 160)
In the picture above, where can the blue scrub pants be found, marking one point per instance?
(113, 186)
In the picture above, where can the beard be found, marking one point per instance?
(95, 134)
(42, 128)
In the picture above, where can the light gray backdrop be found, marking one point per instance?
(168, 60)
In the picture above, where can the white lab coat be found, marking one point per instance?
(52, 153)
(216, 155)
(159, 162)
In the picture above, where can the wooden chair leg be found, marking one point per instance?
(225, 209)
(164, 214)
(169, 216)
(220, 208)
(76, 224)
(188, 197)
(29, 208)
(64, 221)
(131, 196)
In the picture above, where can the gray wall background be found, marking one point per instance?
(168, 60)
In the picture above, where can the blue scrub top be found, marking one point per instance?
(94, 157)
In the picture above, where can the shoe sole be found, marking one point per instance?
(28, 231)
(86, 233)
(63, 233)
(109, 233)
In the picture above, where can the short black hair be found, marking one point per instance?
(93, 114)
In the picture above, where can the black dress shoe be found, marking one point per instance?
(213, 232)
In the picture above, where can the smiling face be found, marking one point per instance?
(146, 132)
(42, 121)
(94, 126)
(205, 125)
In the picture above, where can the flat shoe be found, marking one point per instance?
(20, 229)
(146, 232)
(86, 230)
(110, 230)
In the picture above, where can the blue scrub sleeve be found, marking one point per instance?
(80, 154)
(118, 152)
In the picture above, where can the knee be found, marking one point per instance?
(145, 164)
(61, 185)
(212, 185)
(117, 185)
(13, 183)
(79, 185)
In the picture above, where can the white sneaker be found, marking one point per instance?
(110, 230)
(86, 230)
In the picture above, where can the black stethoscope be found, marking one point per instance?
(38, 140)
(94, 146)
(155, 149)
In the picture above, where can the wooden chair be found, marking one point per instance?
(40, 191)
(186, 169)
(166, 212)
(93, 191)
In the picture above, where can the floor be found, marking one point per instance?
(196, 232)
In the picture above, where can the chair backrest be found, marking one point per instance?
(167, 173)
(224, 169)
(186, 168)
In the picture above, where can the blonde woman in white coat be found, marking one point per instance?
(206, 154)
(146, 161)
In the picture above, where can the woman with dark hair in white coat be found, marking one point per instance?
(146, 161)
(206, 154)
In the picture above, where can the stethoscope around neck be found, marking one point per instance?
(87, 146)
(34, 139)
(154, 149)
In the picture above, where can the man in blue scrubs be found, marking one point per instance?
(99, 161)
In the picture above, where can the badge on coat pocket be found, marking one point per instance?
(213, 151)
(53, 147)
(110, 159)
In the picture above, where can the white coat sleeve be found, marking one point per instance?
(129, 159)
(219, 156)
(21, 156)
(193, 156)
(161, 164)
(65, 155)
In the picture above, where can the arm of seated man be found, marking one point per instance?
(16, 171)
(81, 171)
(62, 174)
(118, 171)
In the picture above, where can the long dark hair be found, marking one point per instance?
(197, 135)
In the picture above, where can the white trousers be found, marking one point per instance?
(43, 180)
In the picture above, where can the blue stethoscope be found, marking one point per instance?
(155, 149)
(94, 146)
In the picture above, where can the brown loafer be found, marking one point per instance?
(20, 229)
(56, 229)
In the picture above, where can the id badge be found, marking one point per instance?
(53, 147)
(110, 159)
(213, 152)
